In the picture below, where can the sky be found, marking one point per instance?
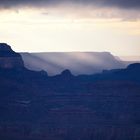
(71, 25)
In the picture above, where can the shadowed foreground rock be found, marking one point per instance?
(34, 106)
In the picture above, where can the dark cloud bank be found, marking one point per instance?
(128, 4)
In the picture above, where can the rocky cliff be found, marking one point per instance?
(8, 58)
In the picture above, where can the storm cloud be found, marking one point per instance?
(125, 4)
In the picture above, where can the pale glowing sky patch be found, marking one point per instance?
(71, 28)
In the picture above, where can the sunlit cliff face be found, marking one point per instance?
(71, 27)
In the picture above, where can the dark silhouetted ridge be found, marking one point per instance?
(66, 73)
(5, 47)
(135, 66)
(35, 106)
(8, 58)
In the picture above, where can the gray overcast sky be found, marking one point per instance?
(112, 3)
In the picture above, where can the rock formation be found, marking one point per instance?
(8, 58)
